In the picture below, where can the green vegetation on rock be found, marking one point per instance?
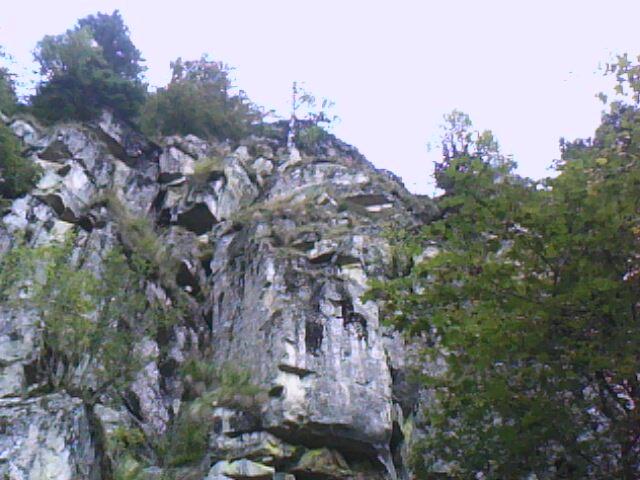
(199, 100)
(91, 321)
(17, 174)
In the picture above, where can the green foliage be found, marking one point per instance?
(88, 68)
(310, 119)
(112, 35)
(90, 320)
(16, 268)
(138, 235)
(307, 138)
(309, 109)
(17, 174)
(236, 389)
(227, 386)
(187, 439)
(127, 468)
(125, 440)
(529, 295)
(199, 100)
(8, 98)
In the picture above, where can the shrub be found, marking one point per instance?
(199, 101)
(90, 322)
(138, 235)
(17, 174)
(307, 138)
(188, 438)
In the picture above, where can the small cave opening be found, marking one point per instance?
(313, 336)
(197, 219)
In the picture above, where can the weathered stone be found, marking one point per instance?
(259, 446)
(175, 164)
(323, 463)
(263, 169)
(24, 131)
(124, 142)
(241, 470)
(70, 195)
(46, 438)
(18, 349)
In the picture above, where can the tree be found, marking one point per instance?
(199, 100)
(90, 67)
(112, 35)
(8, 98)
(309, 120)
(529, 295)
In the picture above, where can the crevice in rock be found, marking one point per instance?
(313, 335)
(86, 222)
(188, 280)
(132, 404)
(395, 447)
(102, 468)
(197, 219)
(55, 151)
(351, 317)
(276, 391)
(334, 437)
(300, 372)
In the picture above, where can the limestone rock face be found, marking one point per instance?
(46, 438)
(273, 249)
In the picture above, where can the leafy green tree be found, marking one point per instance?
(8, 98)
(90, 67)
(199, 100)
(528, 293)
(17, 174)
(112, 35)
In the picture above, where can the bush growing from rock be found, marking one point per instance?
(17, 174)
(199, 100)
(90, 322)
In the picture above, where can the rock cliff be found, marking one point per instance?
(270, 250)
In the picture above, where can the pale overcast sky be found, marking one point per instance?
(528, 70)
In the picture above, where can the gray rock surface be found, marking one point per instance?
(46, 438)
(273, 250)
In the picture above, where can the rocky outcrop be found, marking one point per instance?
(273, 248)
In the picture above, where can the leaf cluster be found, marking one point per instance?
(199, 100)
(8, 97)
(528, 294)
(17, 174)
(88, 68)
